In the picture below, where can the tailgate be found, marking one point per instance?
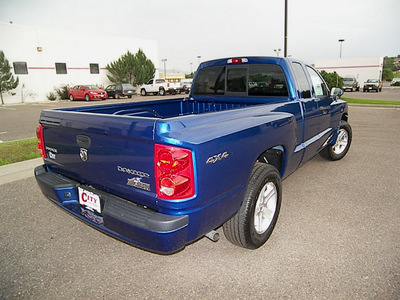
(111, 153)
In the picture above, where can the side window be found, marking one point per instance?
(319, 86)
(210, 81)
(236, 80)
(267, 80)
(302, 79)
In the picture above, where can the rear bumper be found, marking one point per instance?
(119, 218)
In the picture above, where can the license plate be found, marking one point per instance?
(89, 199)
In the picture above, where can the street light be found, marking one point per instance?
(341, 42)
(164, 60)
(277, 51)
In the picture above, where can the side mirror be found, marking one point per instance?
(336, 92)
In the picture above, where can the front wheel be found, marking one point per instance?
(143, 92)
(342, 144)
(253, 224)
(87, 97)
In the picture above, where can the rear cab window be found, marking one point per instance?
(263, 80)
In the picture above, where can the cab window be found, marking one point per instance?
(267, 80)
(304, 87)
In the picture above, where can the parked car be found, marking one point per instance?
(373, 84)
(395, 81)
(351, 83)
(155, 86)
(86, 92)
(186, 86)
(120, 90)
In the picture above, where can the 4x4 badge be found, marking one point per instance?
(83, 153)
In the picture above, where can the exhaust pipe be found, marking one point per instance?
(213, 235)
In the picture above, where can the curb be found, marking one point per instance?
(19, 170)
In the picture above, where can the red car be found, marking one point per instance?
(86, 92)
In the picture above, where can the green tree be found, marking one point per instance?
(387, 75)
(144, 68)
(135, 69)
(7, 81)
(332, 79)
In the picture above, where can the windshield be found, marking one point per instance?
(127, 86)
(348, 79)
(372, 80)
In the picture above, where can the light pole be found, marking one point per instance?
(198, 57)
(277, 51)
(341, 42)
(164, 60)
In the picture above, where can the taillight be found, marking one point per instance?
(174, 172)
(40, 145)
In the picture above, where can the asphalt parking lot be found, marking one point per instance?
(337, 237)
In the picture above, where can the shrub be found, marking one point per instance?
(51, 96)
(62, 91)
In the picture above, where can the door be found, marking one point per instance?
(311, 113)
(322, 97)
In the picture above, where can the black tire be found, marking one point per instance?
(342, 144)
(116, 96)
(71, 97)
(161, 92)
(87, 97)
(253, 224)
(143, 92)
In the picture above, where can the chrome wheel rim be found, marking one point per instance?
(265, 207)
(341, 142)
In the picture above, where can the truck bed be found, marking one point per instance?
(166, 108)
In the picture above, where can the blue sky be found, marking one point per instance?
(212, 29)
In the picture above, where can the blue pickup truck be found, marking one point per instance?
(162, 174)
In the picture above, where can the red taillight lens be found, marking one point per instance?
(40, 145)
(174, 172)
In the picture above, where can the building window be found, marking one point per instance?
(61, 68)
(94, 69)
(20, 67)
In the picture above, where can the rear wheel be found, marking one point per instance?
(71, 97)
(342, 144)
(162, 92)
(253, 224)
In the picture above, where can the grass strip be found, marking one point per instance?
(12, 152)
(373, 102)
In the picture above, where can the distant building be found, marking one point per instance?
(362, 68)
(45, 58)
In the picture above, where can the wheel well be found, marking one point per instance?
(344, 117)
(273, 156)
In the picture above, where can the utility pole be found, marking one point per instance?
(165, 69)
(285, 41)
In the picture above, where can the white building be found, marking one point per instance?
(362, 68)
(43, 59)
